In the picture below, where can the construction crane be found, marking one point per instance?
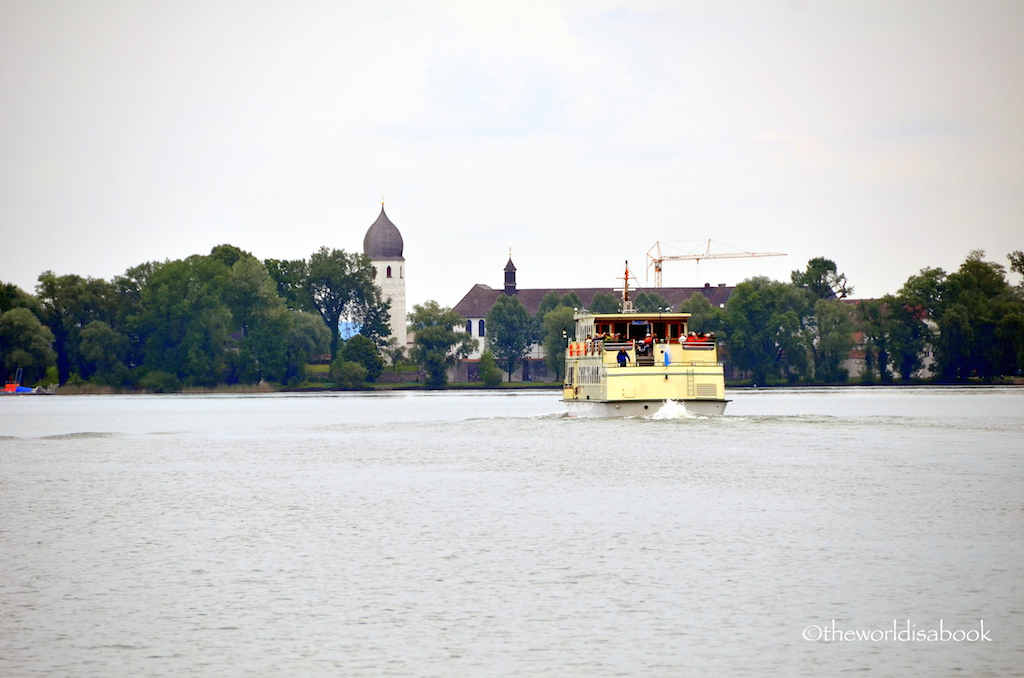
(655, 257)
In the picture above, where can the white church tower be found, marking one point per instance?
(383, 245)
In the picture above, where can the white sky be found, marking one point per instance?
(887, 136)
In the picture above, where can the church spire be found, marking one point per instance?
(510, 275)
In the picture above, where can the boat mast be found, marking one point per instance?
(627, 305)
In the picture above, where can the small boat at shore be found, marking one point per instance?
(633, 364)
(14, 387)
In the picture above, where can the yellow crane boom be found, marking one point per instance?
(655, 257)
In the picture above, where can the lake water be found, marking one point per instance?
(478, 534)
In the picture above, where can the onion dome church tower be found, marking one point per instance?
(383, 245)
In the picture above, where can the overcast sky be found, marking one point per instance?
(887, 136)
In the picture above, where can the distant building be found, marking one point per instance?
(856, 364)
(479, 300)
(384, 246)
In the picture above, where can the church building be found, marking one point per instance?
(479, 300)
(383, 245)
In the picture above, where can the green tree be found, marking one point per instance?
(184, 323)
(342, 286)
(250, 294)
(703, 316)
(360, 349)
(12, 296)
(278, 347)
(347, 375)
(509, 332)
(229, 255)
(290, 278)
(822, 279)
(128, 288)
(25, 343)
(571, 300)
(308, 337)
(604, 303)
(437, 345)
(978, 319)
(908, 335)
(763, 319)
(873, 325)
(395, 353)
(263, 321)
(103, 351)
(490, 373)
(649, 302)
(69, 303)
(559, 327)
(829, 338)
(262, 351)
(926, 290)
(551, 301)
(548, 303)
(373, 318)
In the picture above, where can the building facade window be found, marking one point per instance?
(469, 327)
(480, 327)
(389, 271)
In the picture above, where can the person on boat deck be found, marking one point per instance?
(622, 357)
(648, 343)
(692, 338)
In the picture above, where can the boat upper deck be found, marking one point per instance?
(630, 327)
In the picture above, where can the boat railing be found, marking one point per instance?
(599, 347)
(695, 363)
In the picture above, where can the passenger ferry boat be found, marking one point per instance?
(630, 364)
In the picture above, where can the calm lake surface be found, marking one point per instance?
(476, 534)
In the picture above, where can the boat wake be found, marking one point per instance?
(674, 410)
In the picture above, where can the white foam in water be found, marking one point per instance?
(673, 410)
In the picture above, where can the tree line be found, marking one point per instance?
(227, 317)
(206, 320)
(970, 322)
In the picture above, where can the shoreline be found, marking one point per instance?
(256, 389)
